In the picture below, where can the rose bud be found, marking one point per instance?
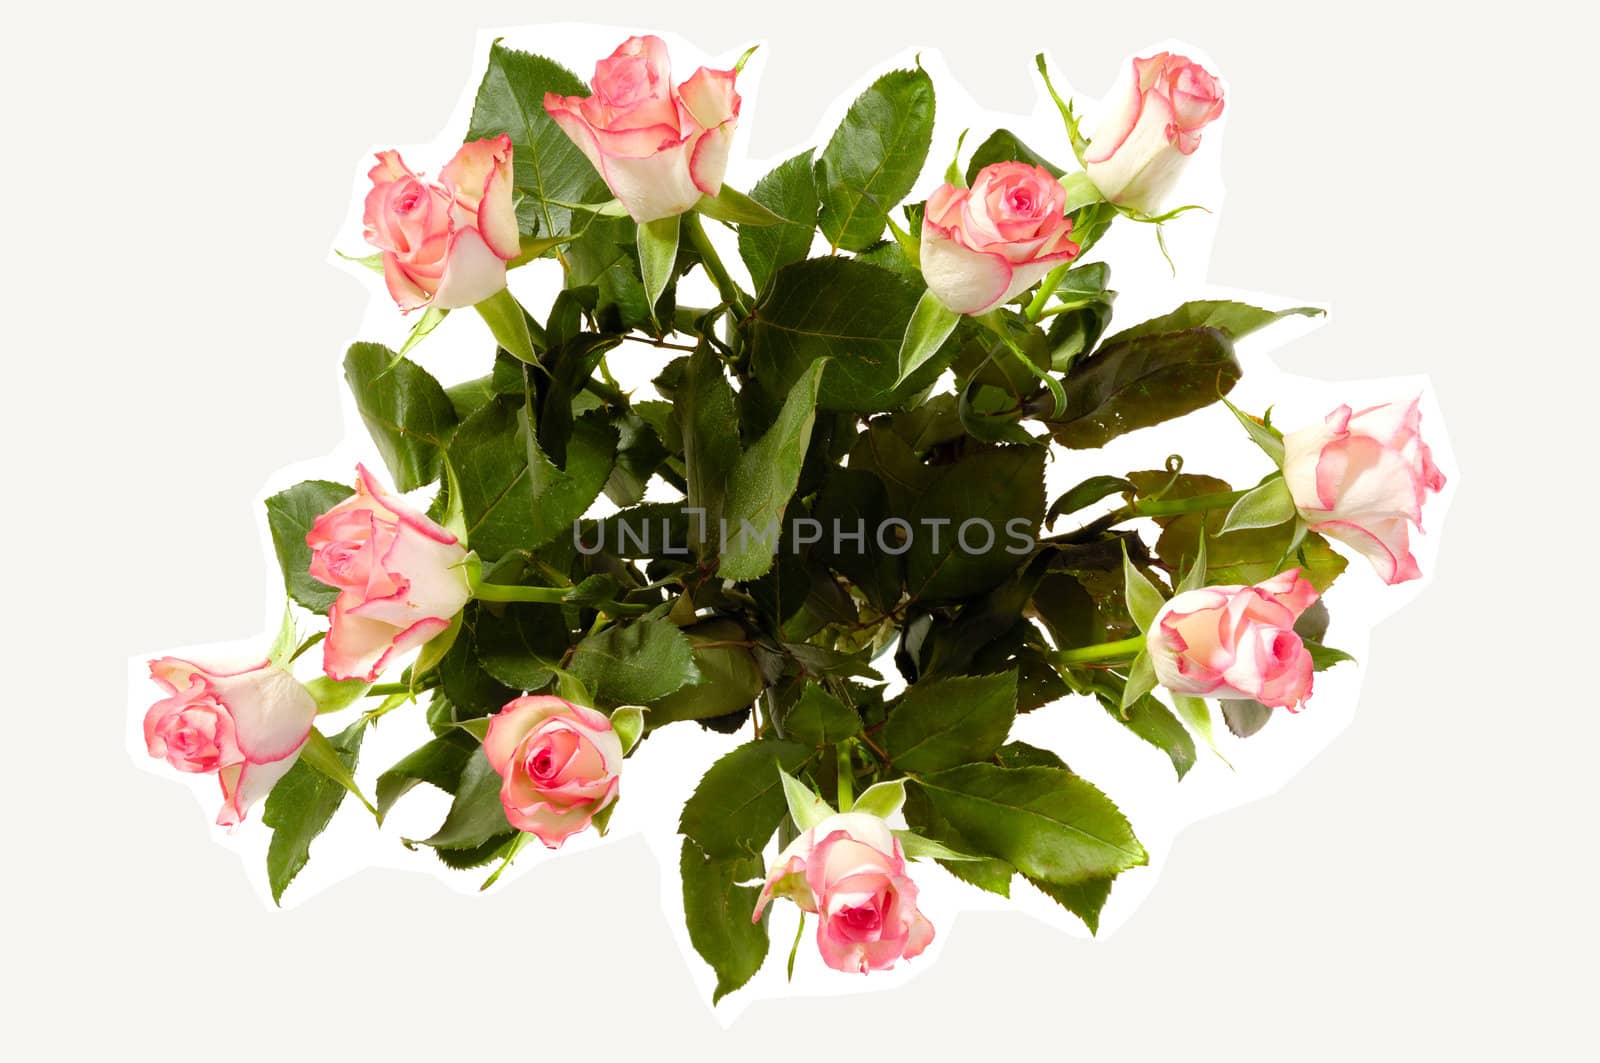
(1359, 477)
(1151, 128)
(245, 725)
(559, 763)
(658, 149)
(983, 246)
(1235, 642)
(445, 244)
(400, 577)
(850, 870)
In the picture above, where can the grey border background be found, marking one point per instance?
(1424, 889)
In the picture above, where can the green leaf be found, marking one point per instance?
(1196, 712)
(1233, 320)
(512, 495)
(850, 311)
(431, 319)
(940, 723)
(407, 413)
(972, 866)
(327, 760)
(491, 458)
(437, 763)
(708, 419)
(739, 801)
(604, 208)
(286, 641)
(1242, 557)
(820, 719)
(790, 191)
(1080, 312)
(571, 688)
(300, 807)
(916, 847)
(1143, 597)
(882, 799)
(606, 258)
(734, 207)
(1323, 657)
(547, 169)
(1245, 717)
(476, 816)
(639, 455)
(374, 261)
(1083, 899)
(1004, 146)
(952, 172)
(1023, 755)
(332, 695)
(716, 911)
(562, 495)
(806, 808)
(290, 514)
(1049, 823)
(1081, 192)
(1141, 679)
(729, 676)
(874, 157)
(479, 855)
(628, 722)
(520, 643)
(479, 728)
(1270, 440)
(1138, 381)
(470, 690)
(535, 247)
(508, 322)
(658, 254)
(764, 479)
(1068, 118)
(998, 490)
(1195, 578)
(854, 499)
(1155, 723)
(634, 663)
(930, 325)
(1086, 494)
(1267, 506)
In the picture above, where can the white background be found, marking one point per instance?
(1423, 888)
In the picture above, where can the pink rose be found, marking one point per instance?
(983, 246)
(1235, 642)
(851, 872)
(447, 243)
(400, 577)
(659, 149)
(245, 725)
(560, 764)
(1151, 128)
(1359, 477)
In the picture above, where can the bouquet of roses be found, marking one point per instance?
(845, 464)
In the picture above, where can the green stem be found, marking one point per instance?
(1051, 281)
(606, 391)
(500, 592)
(713, 262)
(1104, 651)
(1158, 507)
(383, 690)
(847, 773)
